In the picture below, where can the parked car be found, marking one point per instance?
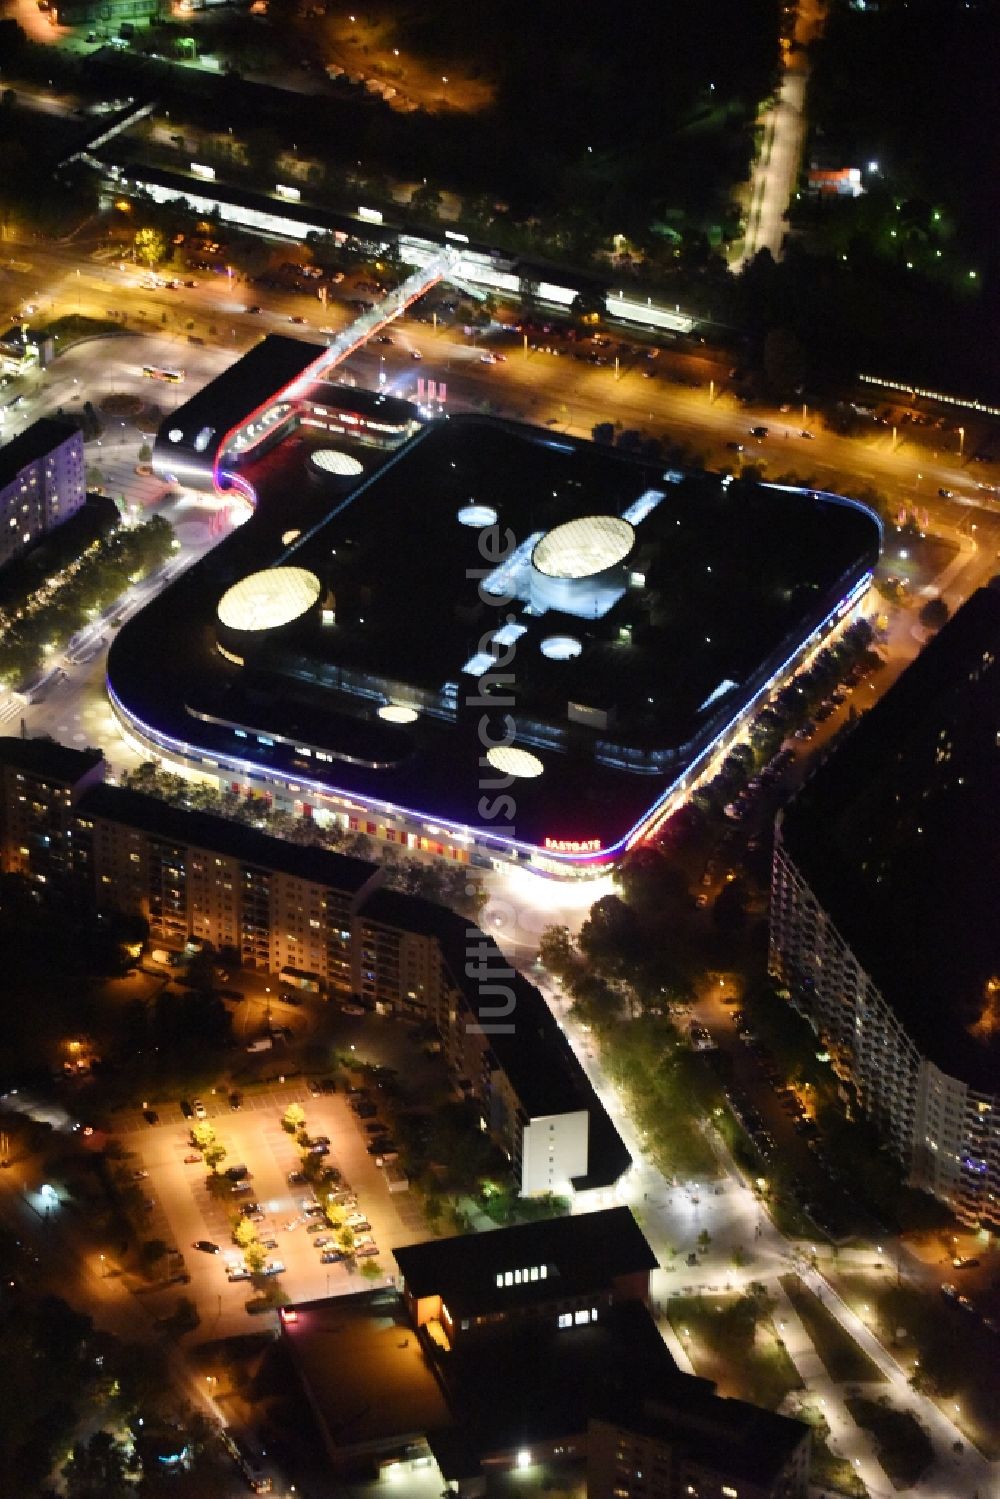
(206, 1246)
(200, 1111)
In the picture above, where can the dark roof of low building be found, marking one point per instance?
(220, 835)
(582, 1254)
(518, 1384)
(34, 442)
(48, 760)
(734, 1438)
(255, 378)
(896, 836)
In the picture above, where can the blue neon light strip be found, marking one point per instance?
(460, 830)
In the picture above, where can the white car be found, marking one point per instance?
(200, 1112)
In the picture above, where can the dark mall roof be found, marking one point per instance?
(48, 760)
(584, 1253)
(735, 579)
(34, 442)
(897, 837)
(220, 835)
(255, 378)
(536, 1057)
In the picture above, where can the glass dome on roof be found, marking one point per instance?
(331, 461)
(584, 547)
(268, 599)
(511, 761)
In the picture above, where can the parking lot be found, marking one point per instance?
(185, 1211)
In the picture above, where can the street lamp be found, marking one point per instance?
(961, 441)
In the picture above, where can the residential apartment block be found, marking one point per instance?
(40, 784)
(884, 912)
(41, 483)
(195, 875)
(280, 906)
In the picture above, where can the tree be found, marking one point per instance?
(934, 614)
(185, 1318)
(97, 1469)
(557, 951)
(345, 1240)
(425, 201)
(150, 246)
(610, 937)
(255, 1256)
(704, 1240)
(245, 1233)
(784, 362)
(729, 913)
(293, 1118)
(151, 1252)
(203, 1134)
(215, 1155)
(145, 451)
(371, 1271)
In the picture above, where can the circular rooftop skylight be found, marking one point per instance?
(397, 713)
(511, 761)
(175, 434)
(477, 515)
(268, 599)
(332, 461)
(560, 647)
(581, 548)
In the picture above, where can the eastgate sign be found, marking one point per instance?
(572, 846)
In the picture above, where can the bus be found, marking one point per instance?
(157, 372)
(248, 1461)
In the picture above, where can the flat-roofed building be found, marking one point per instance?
(41, 483)
(529, 1353)
(40, 783)
(498, 1036)
(192, 874)
(883, 912)
(566, 1271)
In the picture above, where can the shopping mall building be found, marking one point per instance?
(475, 638)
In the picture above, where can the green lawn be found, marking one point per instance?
(843, 1360)
(904, 1449)
(731, 1341)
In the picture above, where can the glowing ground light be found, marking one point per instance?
(584, 547)
(477, 515)
(560, 647)
(511, 761)
(331, 461)
(268, 599)
(397, 713)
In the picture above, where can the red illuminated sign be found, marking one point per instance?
(573, 846)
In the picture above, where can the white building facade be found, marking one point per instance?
(945, 1132)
